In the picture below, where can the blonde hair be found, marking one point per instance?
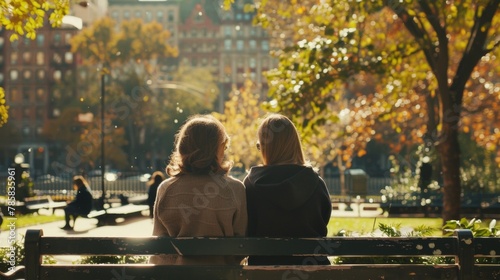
(279, 141)
(197, 147)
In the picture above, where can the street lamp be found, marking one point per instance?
(104, 69)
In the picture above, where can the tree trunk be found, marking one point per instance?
(449, 151)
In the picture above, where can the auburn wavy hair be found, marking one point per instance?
(197, 147)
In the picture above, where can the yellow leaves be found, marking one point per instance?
(24, 17)
(4, 114)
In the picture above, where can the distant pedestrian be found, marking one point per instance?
(81, 205)
(156, 178)
(199, 198)
(285, 196)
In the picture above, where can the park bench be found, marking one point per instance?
(34, 204)
(462, 250)
(109, 215)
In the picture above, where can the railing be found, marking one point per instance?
(137, 184)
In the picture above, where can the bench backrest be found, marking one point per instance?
(462, 247)
(37, 200)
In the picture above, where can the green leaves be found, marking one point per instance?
(475, 225)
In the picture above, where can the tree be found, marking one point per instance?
(25, 17)
(330, 41)
(241, 117)
(135, 47)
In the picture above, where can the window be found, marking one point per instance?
(251, 62)
(27, 41)
(40, 74)
(40, 39)
(26, 130)
(57, 58)
(215, 62)
(40, 95)
(40, 58)
(252, 44)
(27, 57)
(57, 75)
(57, 38)
(265, 45)
(149, 16)
(137, 14)
(228, 31)
(56, 93)
(14, 95)
(13, 58)
(14, 75)
(27, 74)
(1, 78)
(68, 57)
(227, 44)
(239, 45)
(239, 31)
(114, 15)
(26, 94)
(126, 15)
(171, 16)
(252, 31)
(1, 42)
(159, 16)
(67, 37)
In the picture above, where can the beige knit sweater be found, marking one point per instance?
(199, 205)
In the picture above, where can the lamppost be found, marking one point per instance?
(85, 19)
(103, 134)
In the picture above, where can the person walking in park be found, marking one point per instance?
(156, 178)
(285, 196)
(199, 198)
(81, 205)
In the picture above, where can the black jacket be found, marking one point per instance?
(286, 201)
(82, 202)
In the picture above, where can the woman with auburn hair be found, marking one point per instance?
(199, 199)
(285, 196)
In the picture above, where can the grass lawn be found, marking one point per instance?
(365, 226)
(29, 220)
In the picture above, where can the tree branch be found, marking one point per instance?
(416, 30)
(475, 49)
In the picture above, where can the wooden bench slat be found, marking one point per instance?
(335, 246)
(487, 271)
(145, 272)
(355, 272)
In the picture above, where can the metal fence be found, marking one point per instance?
(130, 185)
(373, 186)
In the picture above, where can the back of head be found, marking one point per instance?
(80, 182)
(157, 177)
(197, 147)
(279, 141)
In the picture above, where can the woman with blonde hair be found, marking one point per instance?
(285, 196)
(199, 198)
